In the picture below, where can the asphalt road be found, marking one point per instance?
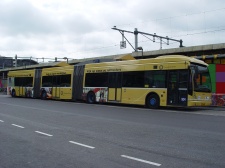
(54, 134)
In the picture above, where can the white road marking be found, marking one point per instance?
(18, 126)
(87, 146)
(141, 160)
(43, 133)
(1, 121)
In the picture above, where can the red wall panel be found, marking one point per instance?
(220, 68)
(220, 87)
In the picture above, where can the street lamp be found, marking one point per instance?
(140, 48)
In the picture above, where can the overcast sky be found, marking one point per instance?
(82, 28)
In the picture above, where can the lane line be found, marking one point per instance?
(1, 121)
(141, 160)
(43, 133)
(87, 146)
(19, 126)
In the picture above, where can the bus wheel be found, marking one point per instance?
(152, 101)
(91, 97)
(13, 94)
(43, 95)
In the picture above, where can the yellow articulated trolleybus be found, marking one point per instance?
(163, 81)
(24, 83)
(177, 81)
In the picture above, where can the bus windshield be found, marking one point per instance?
(201, 78)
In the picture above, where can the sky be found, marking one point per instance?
(79, 29)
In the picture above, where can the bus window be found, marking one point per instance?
(183, 79)
(18, 82)
(155, 79)
(96, 80)
(202, 81)
(133, 79)
(24, 81)
(28, 82)
(115, 80)
(65, 80)
(47, 81)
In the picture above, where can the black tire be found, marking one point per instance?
(152, 101)
(13, 94)
(91, 97)
(43, 95)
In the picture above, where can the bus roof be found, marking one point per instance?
(58, 70)
(159, 59)
(21, 73)
(172, 58)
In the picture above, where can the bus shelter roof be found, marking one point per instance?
(37, 66)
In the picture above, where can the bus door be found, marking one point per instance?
(21, 91)
(114, 93)
(177, 87)
(20, 86)
(56, 87)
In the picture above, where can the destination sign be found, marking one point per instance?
(104, 70)
(56, 73)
